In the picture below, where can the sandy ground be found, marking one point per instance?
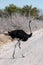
(4, 39)
(31, 49)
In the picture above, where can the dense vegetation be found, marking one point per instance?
(25, 10)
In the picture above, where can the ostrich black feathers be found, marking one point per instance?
(19, 34)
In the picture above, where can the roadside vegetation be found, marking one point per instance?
(25, 10)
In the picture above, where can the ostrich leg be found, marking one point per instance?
(14, 52)
(18, 43)
(20, 48)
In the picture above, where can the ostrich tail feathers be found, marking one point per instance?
(6, 33)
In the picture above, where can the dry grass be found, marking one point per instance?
(4, 39)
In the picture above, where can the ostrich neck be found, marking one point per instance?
(30, 28)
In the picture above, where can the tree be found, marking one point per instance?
(11, 9)
(34, 12)
(1, 12)
(26, 10)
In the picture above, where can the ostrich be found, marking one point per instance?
(20, 35)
